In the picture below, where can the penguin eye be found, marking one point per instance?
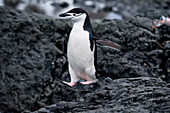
(74, 14)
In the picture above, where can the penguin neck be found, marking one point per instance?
(84, 24)
(77, 26)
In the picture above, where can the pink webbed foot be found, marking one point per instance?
(71, 84)
(87, 82)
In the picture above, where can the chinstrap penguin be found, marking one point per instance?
(81, 48)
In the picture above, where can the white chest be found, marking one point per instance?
(79, 41)
(79, 53)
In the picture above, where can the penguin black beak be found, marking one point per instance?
(64, 15)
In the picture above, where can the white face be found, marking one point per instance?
(78, 17)
(75, 16)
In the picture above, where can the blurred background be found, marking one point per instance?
(98, 9)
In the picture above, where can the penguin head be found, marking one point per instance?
(76, 14)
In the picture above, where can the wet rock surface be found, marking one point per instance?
(142, 94)
(33, 62)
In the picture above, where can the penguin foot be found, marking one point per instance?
(71, 84)
(87, 82)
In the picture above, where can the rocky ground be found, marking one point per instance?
(127, 95)
(98, 9)
(125, 8)
(33, 62)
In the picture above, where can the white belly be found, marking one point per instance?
(80, 56)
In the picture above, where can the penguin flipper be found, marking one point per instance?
(108, 43)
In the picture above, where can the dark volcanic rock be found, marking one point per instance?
(142, 95)
(31, 46)
(144, 54)
(33, 62)
(125, 8)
